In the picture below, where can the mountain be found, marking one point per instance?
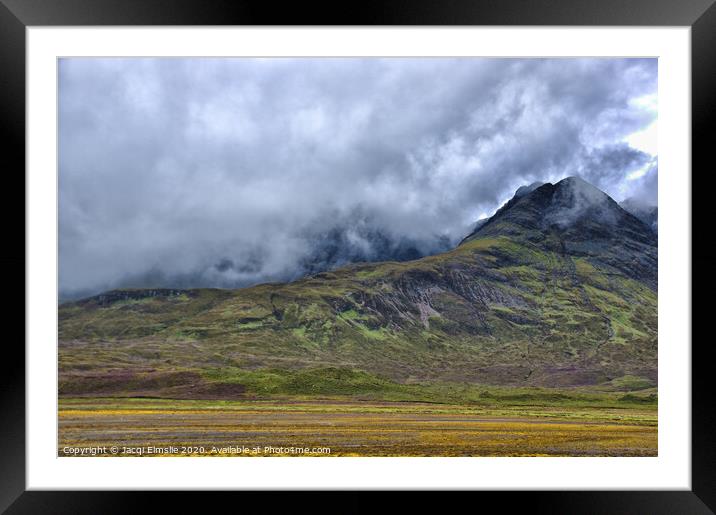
(557, 289)
(647, 213)
(576, 219)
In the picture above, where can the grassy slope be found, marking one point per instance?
(493, 311)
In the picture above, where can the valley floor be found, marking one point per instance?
(337, 427)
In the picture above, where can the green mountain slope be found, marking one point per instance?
(558, 289)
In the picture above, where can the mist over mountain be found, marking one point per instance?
(184, 173)
(327, 245)
(644, 210)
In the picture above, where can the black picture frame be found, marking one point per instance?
(16, 15)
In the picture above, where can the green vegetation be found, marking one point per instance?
(495, 311)
(231, 383)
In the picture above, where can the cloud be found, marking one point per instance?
(228, 172)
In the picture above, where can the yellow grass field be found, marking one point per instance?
(146, 427)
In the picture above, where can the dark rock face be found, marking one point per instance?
(574, 218)
(524, 190)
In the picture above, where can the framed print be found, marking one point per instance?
(413, 248)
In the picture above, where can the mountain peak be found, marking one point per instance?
(544, 206)
(576, 180)
(580, 187)
(575, 218)
(574, 199)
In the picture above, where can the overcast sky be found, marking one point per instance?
(170, 167)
